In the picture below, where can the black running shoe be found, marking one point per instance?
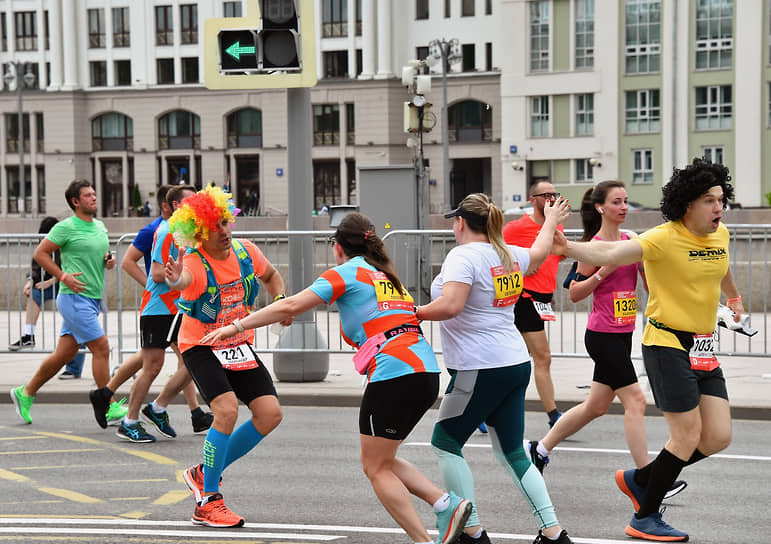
(101, 405)
(466, 539)
(201, 420)
(25, 342)
(562, 539)
(676, 488)
(536, 458)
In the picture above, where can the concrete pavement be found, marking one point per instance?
(748, 379)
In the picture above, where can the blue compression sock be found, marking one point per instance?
(241, 442)
(215, 450)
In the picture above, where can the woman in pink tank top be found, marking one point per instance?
(608, 336)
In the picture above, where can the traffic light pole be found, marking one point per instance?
(300, 366)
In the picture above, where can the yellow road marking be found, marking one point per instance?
(43, 516)
(21, 438)
(89, 465)
(69, 495)
(51, 501)
(73, 438)
(126, 481)
(136, 514)
(8, 475)
(36, 452)
(153, 457)
(172, 497)
(129, 499)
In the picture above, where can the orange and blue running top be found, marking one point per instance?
(369, 304)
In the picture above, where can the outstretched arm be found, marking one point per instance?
(599, 253)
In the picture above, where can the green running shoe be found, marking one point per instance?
(22, 402)
(117, 412)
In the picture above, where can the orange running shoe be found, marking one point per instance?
(194, 480)
(214, 513)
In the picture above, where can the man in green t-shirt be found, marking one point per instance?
(85, 254)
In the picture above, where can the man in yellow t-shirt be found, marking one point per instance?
(686, 265)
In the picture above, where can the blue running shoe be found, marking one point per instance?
(450, 522)
(133, 433)
(159, 421)
(654, 528)
(627, 485)
(482, 428)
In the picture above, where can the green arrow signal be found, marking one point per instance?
(235, 50)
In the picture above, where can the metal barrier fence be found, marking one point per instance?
(417, 254)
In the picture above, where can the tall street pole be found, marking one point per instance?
(445, 129)
(22, 202)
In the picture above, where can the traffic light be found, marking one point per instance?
(272, 47)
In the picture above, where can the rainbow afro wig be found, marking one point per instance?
(199, 214)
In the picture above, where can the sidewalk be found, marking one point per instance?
(748, 380)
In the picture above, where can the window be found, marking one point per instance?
(447, 9)
(41, 189)
(245, 128)
(326, 183)
(40, 134)
(121, 36)
(467, 8)
(489, 57)
(14, 189)
(12, 132)
(539, 36)
(584, 33)
(642, 166)
(164, 26)
(584, 114)
(713, 153)
(539, 116)
(335, 64)
(326, 124)
(112, 132)
(642, 112)
(165, 71)
(643, 36)
(350, 124)
(488, 7)
(47, 31)
(231, 9)
(470, 121)
(3, 32)
(98, 71)
(26, 30)
(358, 17)
(188, 15)
(122, 73)
(334, 21)
(713, 107)
(96, 28)
(421, 9)
(190, 70)
(421, 52)
(179, 129)
(714, 34)
(469, 57)
(584, 171)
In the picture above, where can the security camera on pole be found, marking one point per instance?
(416, 111)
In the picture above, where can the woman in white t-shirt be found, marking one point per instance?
(488, 361)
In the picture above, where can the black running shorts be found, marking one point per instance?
(212, 380)
(159, 331)
(676, 386)
(392, 408)
(526, 317)
(611, 353)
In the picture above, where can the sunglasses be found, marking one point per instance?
(549, 196)
(332, 239)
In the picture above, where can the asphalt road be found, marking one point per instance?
(64, 480)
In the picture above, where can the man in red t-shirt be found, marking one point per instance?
(534, 306)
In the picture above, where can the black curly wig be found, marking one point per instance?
(689, 183)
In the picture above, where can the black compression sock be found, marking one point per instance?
(663, 472)
(695, 457)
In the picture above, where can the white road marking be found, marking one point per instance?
(132, 527)
(614, 451)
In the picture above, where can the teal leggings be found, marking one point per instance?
(495, 396)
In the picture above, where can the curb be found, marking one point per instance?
(347, 400)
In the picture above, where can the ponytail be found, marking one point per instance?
(481, 205)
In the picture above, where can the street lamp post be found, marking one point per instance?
(13, 75)
(448, 51)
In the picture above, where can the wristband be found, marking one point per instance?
(237, 324)
(174, 283)
(730, 300)
(61, 278)
(598, 277)
(279, 297)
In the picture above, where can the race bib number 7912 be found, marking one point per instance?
(508, 286)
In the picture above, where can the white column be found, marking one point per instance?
(352, 39)
(318, 8)
(55, 51)
(384, 40)
(749, 109)
(369, 36)
(682, 93)
(193, 172)
(70, 45)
